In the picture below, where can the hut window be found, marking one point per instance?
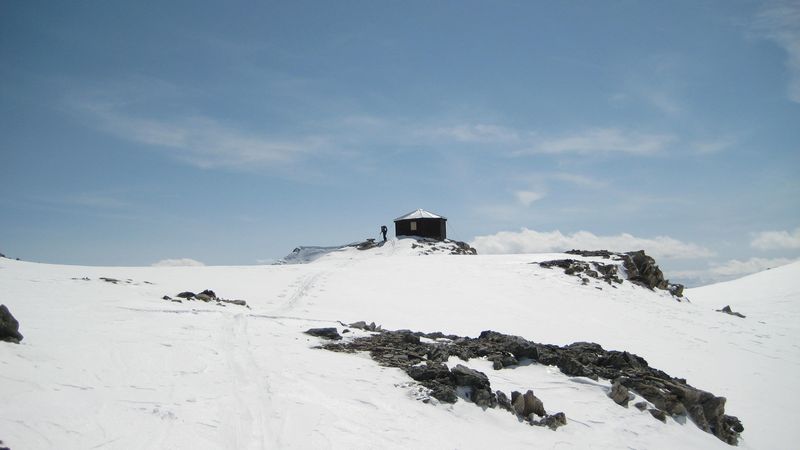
(413, 226)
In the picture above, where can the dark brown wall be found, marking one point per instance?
(429, 228)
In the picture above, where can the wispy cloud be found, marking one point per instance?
(202, 141)
(528, 197)
(480, 133)
(779, 21)
(710, 146)
(531, 241)
(776, 240)
(603, 141)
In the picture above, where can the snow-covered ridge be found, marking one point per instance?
(114, 366)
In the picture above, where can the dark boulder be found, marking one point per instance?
(9, 326)
(464, 376)
(660, 415)
(429, 371)
(728, 310)
(643, 270)
(326, 333)
(619, 394)
(526, 404)
(443, 392)
(209, 293)
(186, 294)
(553, 421)
(503, 401)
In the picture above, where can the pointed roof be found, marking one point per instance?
(420, 214)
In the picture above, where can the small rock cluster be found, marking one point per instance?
(9, 327)
(728, 310)
(640, 269)
(424, 361)
(3, 447)
(447, 246)
(205, 296)
(584, 269)
(112, 280)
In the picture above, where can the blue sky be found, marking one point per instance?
(132, 132)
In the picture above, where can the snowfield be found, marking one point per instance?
(113, 366)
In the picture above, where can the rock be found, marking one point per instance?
(676, 289)
(443, 393)
(464, 376)
(110, 280)
(484, 398)
(554, 421)
(186, 294)
(233, 302)
(643, 270)
(204, 297)
(526, 404)
(209, 293)
(533, 405)
(619, 394)
(9, 326)
(326, 333)
(166, 297)
(728, 310)
(658, 414)
(627, 371)
(429, 371)
(503, 401)
(361, 325)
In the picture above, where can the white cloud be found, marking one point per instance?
(735, 267)
(712, 145)
(528, 197)
(530, 241)
(776, 240)
(578, 180)
(603, 140)
(479, 133)
(779, 22)
(201, 141)
(179, 262)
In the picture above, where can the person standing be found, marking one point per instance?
(384, 230)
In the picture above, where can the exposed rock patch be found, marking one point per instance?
(9, 326)
(207, 296)
(424, 361)
(639, 268)
(728, 310)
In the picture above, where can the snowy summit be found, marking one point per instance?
(139, 357)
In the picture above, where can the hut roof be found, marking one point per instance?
(420, 214)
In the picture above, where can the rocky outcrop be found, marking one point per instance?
(9, 326)
(728, 310)
(639, 268)
(424, 361)
(207, 296)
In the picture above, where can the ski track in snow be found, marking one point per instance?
(111, 366)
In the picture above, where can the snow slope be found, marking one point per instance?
(109, 365)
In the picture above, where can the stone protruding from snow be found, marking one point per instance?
(619, 394)
(727, 310)
(639, 267)
(326, 333)
(206, 296)
(9, 326)
(629, 373)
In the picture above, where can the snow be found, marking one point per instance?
(107, 365)
(420, 214)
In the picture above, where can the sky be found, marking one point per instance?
(188, 132)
